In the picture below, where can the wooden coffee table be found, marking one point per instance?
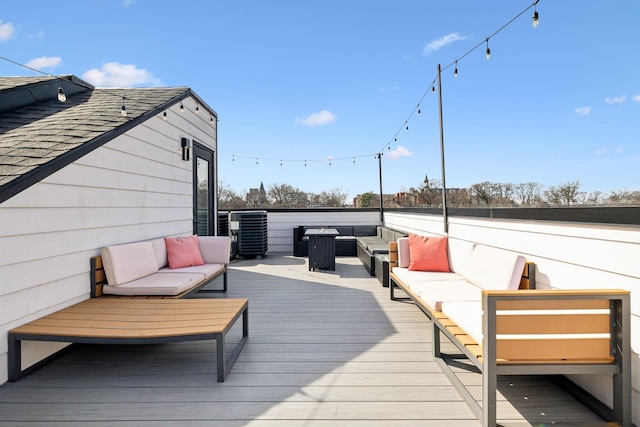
(136, 321)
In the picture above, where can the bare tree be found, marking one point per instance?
(332, 198)
(564, 195)
(624, 198)
(528, 193)
(287, 196)
(229, 199)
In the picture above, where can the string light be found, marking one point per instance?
(61, 95)
(534, 18)
(164, 116)
(123, 109)
(535, 23)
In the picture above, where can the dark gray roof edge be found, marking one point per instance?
(33, 177)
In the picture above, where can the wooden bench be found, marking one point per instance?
(536, 332)
(136, 321)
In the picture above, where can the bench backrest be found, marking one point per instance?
(555, 326)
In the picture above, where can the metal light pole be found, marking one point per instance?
(380, 176)
(444, 184)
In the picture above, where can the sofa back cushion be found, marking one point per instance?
(495, 269)
(364, 230)
(131, 261)
(460, 255)
(215, 249)
(404, 257)
(160, 249)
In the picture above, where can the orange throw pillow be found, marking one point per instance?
(428, 253)
(183, 251)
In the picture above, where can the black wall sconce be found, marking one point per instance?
(186, 148)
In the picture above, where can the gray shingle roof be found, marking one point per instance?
(45, 132)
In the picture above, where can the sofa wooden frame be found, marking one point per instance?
(530, 314)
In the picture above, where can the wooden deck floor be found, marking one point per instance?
(325, 348)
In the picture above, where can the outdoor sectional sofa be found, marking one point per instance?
(345, 242)
(482, 299)
(171, 266)
(137, 297)
(377, 246)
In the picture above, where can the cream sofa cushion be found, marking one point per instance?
(156, 284)
(131, 261)
(495, 269)
(215, 249)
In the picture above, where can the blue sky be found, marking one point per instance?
(308, 92)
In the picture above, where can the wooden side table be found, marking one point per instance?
(322, 248)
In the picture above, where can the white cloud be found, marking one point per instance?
(636, 98)
(7, 31)
(582, 111)
(601, 151)
(38, 35)
(616, 100)
(114, 74)
(322, 118)
(399, 152)
(442, 42)
(44, 62)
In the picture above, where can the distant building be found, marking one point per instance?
(371, 200)
(257, 196)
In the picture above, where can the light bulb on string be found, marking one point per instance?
(455, 70)
(62, 97)
(181, 107)
(488, 52)
(123, 109)
(535, 22)
(197, 108)
(164, 116)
